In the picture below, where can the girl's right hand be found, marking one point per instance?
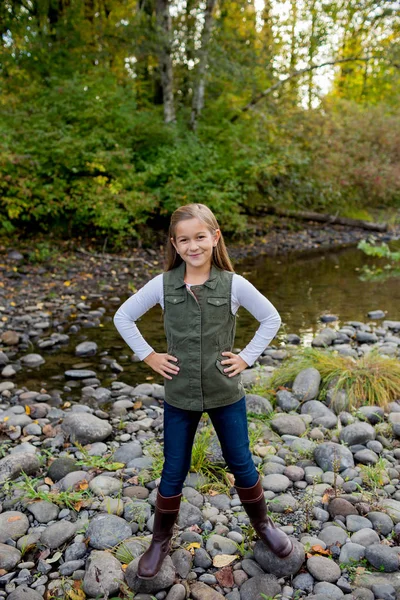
(160, 363)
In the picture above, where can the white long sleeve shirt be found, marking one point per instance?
(243, 294)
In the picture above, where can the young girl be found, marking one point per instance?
(200, 295)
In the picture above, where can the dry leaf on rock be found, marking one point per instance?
(222, 560)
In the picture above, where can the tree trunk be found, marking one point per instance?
(323, 218)
(167, 73)
(198, 93)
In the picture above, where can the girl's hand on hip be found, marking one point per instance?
(160, 363)
(235, 362)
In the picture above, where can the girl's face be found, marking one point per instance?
(194, 242)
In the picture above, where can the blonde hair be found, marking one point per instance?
(220, 256)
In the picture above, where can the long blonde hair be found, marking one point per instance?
(220, 256)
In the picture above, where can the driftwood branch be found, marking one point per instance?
(323, 218)
(110, 257)
(281, 82)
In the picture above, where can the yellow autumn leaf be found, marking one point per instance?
(191, 547)
(76, 595)
(83, 297)
(27, 409)
(67, 283)
(222, 560)
(5, 419)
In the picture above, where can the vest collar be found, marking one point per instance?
(210, 283)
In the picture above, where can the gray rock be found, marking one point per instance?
(374, 414)
(86, 349)
(131, 548)
(382, 557)
(357, 433)
(106, 531)
(60, 467)
(164, 578)
(103, 575)
(286, 401)
(220, 501)
(202, 558)
(306, 384)
(333, 535)
(366, 457)
(282, 503)
(258, 405)
(355, 523)
(260, 584)
(103, 485)
(381, 522)
(32, 360)
(217, 544)
(384, 591)
(304, 582)
(321, 414)
(13, 524)
(351, 553)
(323, 569)
(177, 592)
(275, 483)
(57, 534)
(392, 508)
(137, 511)
(12, 465)
(79, 374)
(328, 590)
(365, 537)
(189, 515)
(193, 496)
(341, 506)
(251, 568)
(70, 567)
(376, 314)
(85, 428)
(182, 560)
(43, 511)
(361, 593)
(280, 567)
(327, 454)
(23, 592)
(128, 452)
(364, 337)
(75, 551)
(288, 424)
(9, 557)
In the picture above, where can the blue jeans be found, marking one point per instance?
(230, 424)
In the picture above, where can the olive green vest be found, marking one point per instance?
(199, 325)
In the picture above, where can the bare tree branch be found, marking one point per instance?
(281, 82)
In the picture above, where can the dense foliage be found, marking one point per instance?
(84, 146)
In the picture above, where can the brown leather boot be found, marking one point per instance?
(166, 513)
(254, 504)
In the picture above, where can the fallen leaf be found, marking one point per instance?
(213, 493)
(2, 572)
(124, 567)
(222, 560)
(67, 283)
(76, 594)
(320, 550)
(82, 485)
(78, 505)
(27, 409)
(137, 404)
(225, 577)
(54, 558)
(191, 547)
(12, 519)
(48, 481)
(149, 377)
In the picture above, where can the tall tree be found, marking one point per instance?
(164, 25)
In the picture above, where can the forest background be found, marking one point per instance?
(114, 113)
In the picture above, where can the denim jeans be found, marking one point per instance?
(230, 424)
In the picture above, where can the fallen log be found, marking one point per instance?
(323, 218)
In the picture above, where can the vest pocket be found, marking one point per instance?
(174, 299)
(222, 367)
(216, 308)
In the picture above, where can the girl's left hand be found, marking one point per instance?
(237, 364)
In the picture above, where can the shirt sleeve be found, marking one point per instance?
(245, 294)
(131, 310)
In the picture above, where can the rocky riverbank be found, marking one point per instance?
(78, 479)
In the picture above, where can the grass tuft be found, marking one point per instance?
(371, 380)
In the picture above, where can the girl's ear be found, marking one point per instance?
(217, 236)
(174, 245)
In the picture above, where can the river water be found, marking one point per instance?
(302, 286)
